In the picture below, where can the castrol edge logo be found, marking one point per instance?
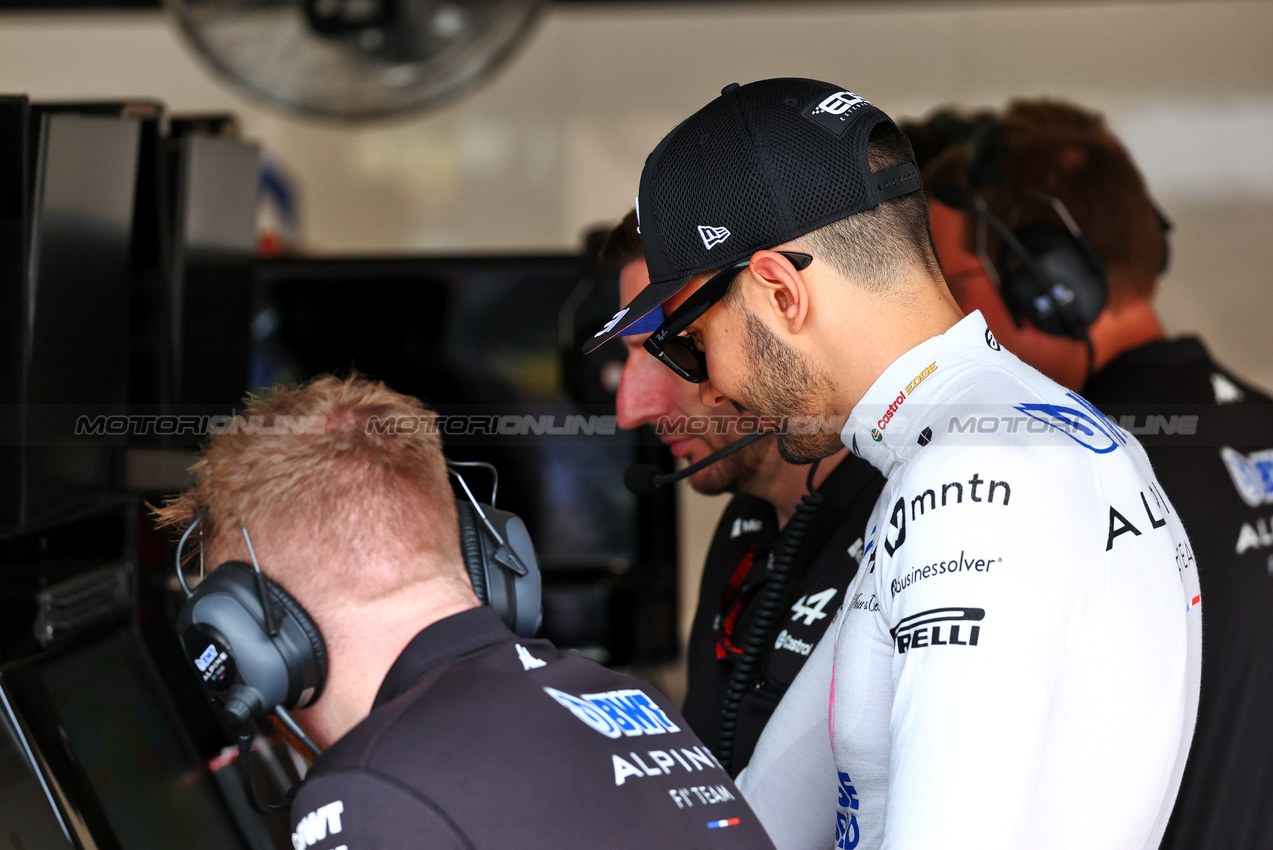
(877, 433)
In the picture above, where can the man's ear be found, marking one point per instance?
(783, 288)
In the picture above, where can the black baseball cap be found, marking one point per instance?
(757, 167)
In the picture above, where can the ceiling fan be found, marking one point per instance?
(355, 59)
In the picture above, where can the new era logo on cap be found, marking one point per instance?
(712, 236)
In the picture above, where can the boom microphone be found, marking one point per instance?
(644, 478)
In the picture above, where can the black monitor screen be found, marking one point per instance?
(14, 204)
(153, 791)
(86, 170)
(215, 247)
(27, 814)
(477, 340)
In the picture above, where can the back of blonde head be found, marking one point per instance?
(335, 502)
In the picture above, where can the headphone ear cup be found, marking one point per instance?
(471, 550)
(1053, 279)
(222, 628)
(518, 596)
(515, 593)
(1164, 228)
(309, 683)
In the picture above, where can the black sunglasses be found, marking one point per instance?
(677, 352)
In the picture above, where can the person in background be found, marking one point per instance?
(1208, 432)
(439, 726)
(726, 706)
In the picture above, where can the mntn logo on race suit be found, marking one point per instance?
(615, 713)
(1088, 427)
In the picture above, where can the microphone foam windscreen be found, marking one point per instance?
(639, 478)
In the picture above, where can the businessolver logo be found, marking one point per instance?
(938, 627)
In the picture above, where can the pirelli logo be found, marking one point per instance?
(938, 627)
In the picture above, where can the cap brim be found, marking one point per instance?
(647, 299)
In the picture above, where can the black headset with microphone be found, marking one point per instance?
(257, 651)
(1047, 271)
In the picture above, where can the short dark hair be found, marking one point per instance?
(877, 246)
(623, 244)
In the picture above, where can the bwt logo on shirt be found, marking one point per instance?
(316, 825)
(616, 713)
(938, 627)
(1252, 474)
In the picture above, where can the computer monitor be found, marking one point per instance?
(214, 183)
(15, 205)
(28, 814)
(75, 310)
(98, 717)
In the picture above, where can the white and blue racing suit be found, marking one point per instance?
(1017, 660)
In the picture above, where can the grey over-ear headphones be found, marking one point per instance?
(257, 651)
(1048, 271)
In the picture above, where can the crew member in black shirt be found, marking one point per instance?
(738, 580)
(1208, 433)
(440, 727)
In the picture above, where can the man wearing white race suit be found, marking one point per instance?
(1017, 661)
(1013, 667)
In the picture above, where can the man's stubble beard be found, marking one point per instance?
(783, 384)
(731, 474)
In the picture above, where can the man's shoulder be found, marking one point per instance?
(1025, 476)
(340, 807)
(592, 756)
(506, 690)
(853, 482)
(1178, 370)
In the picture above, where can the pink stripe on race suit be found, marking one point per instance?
(831, 706)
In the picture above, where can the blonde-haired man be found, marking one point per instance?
(439, 726)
